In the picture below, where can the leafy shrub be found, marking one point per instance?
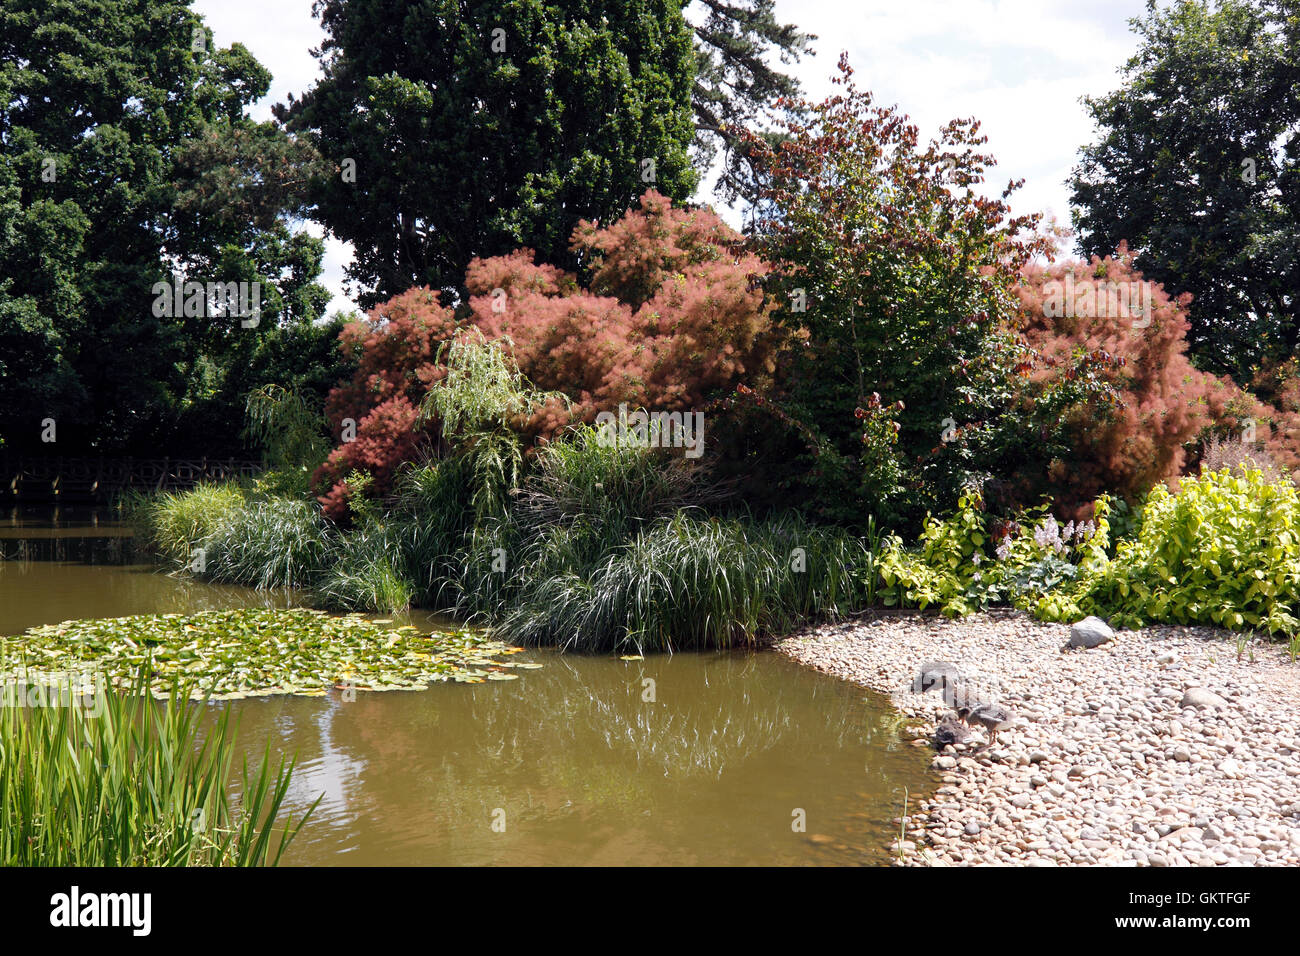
(1224, 550)
(971, 560)
(899, 273)
(1165, 406)
(670, 317)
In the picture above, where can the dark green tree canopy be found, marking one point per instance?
(1198, 167)
(473, 127)
(127, 155)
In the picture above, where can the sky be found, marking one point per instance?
(1018, 66)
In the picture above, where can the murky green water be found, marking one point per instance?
(690, 759)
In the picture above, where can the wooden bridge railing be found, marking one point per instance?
(44, 480)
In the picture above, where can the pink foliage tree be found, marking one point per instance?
(672, 314)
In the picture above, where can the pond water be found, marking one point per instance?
(690, 759)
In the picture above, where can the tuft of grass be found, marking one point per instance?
(596, 475)
(366, 573)
(687, 582)
(132, 782)
(175, 523)
(270, 542)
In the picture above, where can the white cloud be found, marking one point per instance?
(1018, 66)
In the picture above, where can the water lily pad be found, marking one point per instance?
(253, 652)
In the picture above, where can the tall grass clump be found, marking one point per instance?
(594, 474)
(479, 406)
(269, 542)
(175, 523)
(691, 582)
(366, 572)
(131, 781)
(429, 523)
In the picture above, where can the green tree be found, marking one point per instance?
(899, 275)
(465, 128)
(126, 155)
(736, 88)
(1198, 167)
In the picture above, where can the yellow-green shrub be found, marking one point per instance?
(1224, 550)
(945, 567)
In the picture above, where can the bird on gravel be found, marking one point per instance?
(950, 731)
(992, 717)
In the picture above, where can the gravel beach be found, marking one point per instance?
(1161, 747)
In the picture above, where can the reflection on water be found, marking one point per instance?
(691, 759)
(584, 771)
(66, 565)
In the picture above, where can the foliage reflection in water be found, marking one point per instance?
(581, 769)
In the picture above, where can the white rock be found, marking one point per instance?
(1090, 632)
(1200, 697)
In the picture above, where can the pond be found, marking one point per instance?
(705, 759)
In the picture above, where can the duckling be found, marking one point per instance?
(992, 717)
(949, 731)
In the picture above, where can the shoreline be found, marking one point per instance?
(1103, 764)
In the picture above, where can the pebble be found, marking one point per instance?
(1160, 749)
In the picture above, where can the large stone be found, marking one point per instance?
(1090, 632)
(1200, 697)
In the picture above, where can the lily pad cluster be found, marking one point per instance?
(254, 652)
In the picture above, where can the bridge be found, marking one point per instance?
(98, 480)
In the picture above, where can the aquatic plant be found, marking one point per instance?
(131, 782)
(255, 652)
(269, 542)
(176, 523)
(687, 582)
(366, 573)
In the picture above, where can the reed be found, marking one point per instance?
(131, 781)
(269, 542)
(366, 572)
(688, 582)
